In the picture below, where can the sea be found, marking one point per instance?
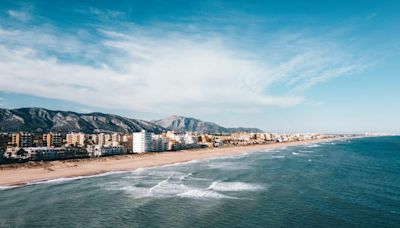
(343, 183)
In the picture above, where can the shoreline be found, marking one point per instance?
(19, 176)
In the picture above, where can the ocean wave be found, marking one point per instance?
(204, 194)
(160, 190)
(138, 170)
(300, 154)
(280, 148)
(313, 145)
(227, 166)
(135, 192)
(8, 187)
(233, 186)
(306, 151)
(278, 156)
(166, 189)
(175, 187)
(239, 156)
(182, 178)
(65, 179)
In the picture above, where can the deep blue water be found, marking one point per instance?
(348, 183)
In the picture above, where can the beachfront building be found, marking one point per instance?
(127, 142)
(116, 139)
(142, 142)
(52, 140)
(160, 143)
(76, 139)
(99, 150)
(56, 153)
(5, 139)
(15, 140)
(21, 139)
(103, 139)
(45, 153)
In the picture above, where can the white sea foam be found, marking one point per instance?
(233, 186)
(278, 156)
(136, 192)
(313, 145)
(239, 156)
(182, 178)
(158, 191)
(8, 187)
(227, 165)
(65, 179)
(203, 194)
(300, 154)
(57, 180)
(193, 161)
(175, 187)
(164, 189)
(139, 170)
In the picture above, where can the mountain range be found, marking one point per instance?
(181, 124)
(38, 120)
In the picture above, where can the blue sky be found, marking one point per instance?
(282, 66)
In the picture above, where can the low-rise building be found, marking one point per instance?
(45, 153)
(99, 150)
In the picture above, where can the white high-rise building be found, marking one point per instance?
(142, 142)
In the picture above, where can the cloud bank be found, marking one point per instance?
(152, 70)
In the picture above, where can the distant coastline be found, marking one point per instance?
(19, 175)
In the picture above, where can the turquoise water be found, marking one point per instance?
(348, 183)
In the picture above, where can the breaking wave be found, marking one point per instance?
(233, 186)
(7, 187)
(165, 189)
(66, 179)
(313, 145)
(203, 194)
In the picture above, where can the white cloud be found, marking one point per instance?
(171, 73)
(19, 15)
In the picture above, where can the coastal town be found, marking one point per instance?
(24, 146)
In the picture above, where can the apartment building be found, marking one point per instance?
(76, 139)
(52, 140)
(142, 142)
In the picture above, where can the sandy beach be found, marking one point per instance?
(22, 174)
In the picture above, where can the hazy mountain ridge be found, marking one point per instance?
(181, 123)
(43, 120)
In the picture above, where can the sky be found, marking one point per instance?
(281, 66)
